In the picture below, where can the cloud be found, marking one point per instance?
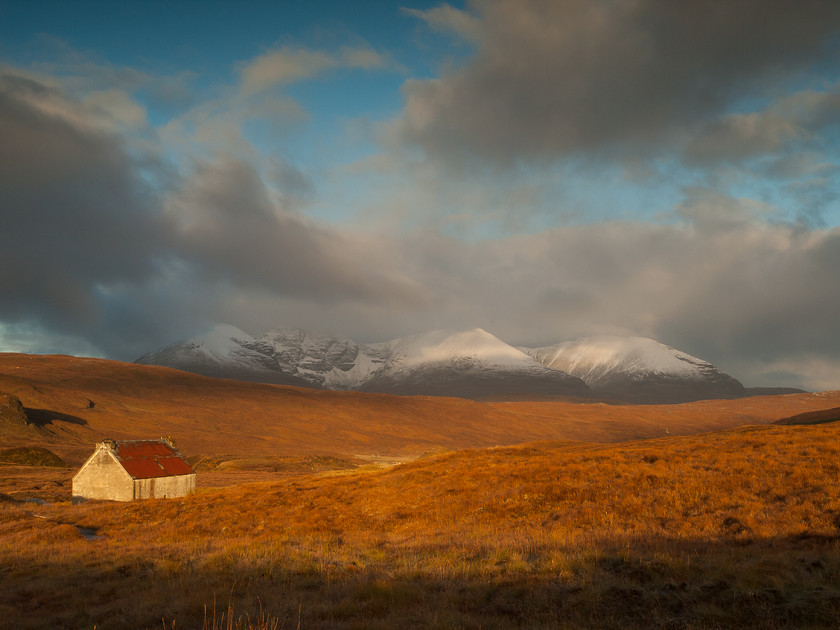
(75, 214)
(740, 136)
(287, 65)
(216, 127)
(82, 73)
(220, 125)
(789, 145)
(554, 79)
(30, 338)
(741, 294)
(119, 107)
(781, 129)
(446, 18)
(757, 299)
(102, 248)
(814, 110)
(230, 228)
(710, 211)
(92, 257)
(89, 250)
(811, 373)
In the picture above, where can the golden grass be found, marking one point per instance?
(732, 529)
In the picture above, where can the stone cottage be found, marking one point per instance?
(124, 470)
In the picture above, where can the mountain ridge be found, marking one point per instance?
(468, 364)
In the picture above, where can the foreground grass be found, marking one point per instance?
(737, 529)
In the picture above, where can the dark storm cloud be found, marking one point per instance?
(551, 78)
(75, 217)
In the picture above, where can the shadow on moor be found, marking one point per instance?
(43, 417)
(656, 583)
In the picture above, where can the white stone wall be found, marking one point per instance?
(102, 477)
(164, 487)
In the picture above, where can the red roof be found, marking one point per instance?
(145, 459)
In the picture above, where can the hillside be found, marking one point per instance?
(76, 402)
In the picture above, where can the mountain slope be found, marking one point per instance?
(326, 362)
(285, 356)
(469, 364)
(637, 369)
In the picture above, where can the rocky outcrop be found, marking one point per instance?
(12, 413)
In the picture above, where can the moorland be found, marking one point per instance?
(323, 509)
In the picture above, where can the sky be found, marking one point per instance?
(542, 169)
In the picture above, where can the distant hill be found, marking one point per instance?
(773, 391)
(813, 417)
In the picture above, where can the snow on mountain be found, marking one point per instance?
(443, 346)
(638, 369)
(287, 356)
(470, 364)
(328, 362)
(220, 342)
(222, 352)
(218, 346)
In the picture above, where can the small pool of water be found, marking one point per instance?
(89, 533)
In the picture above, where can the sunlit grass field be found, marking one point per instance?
(733, 529)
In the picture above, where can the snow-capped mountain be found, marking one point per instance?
(638, 369)
(469, 364)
